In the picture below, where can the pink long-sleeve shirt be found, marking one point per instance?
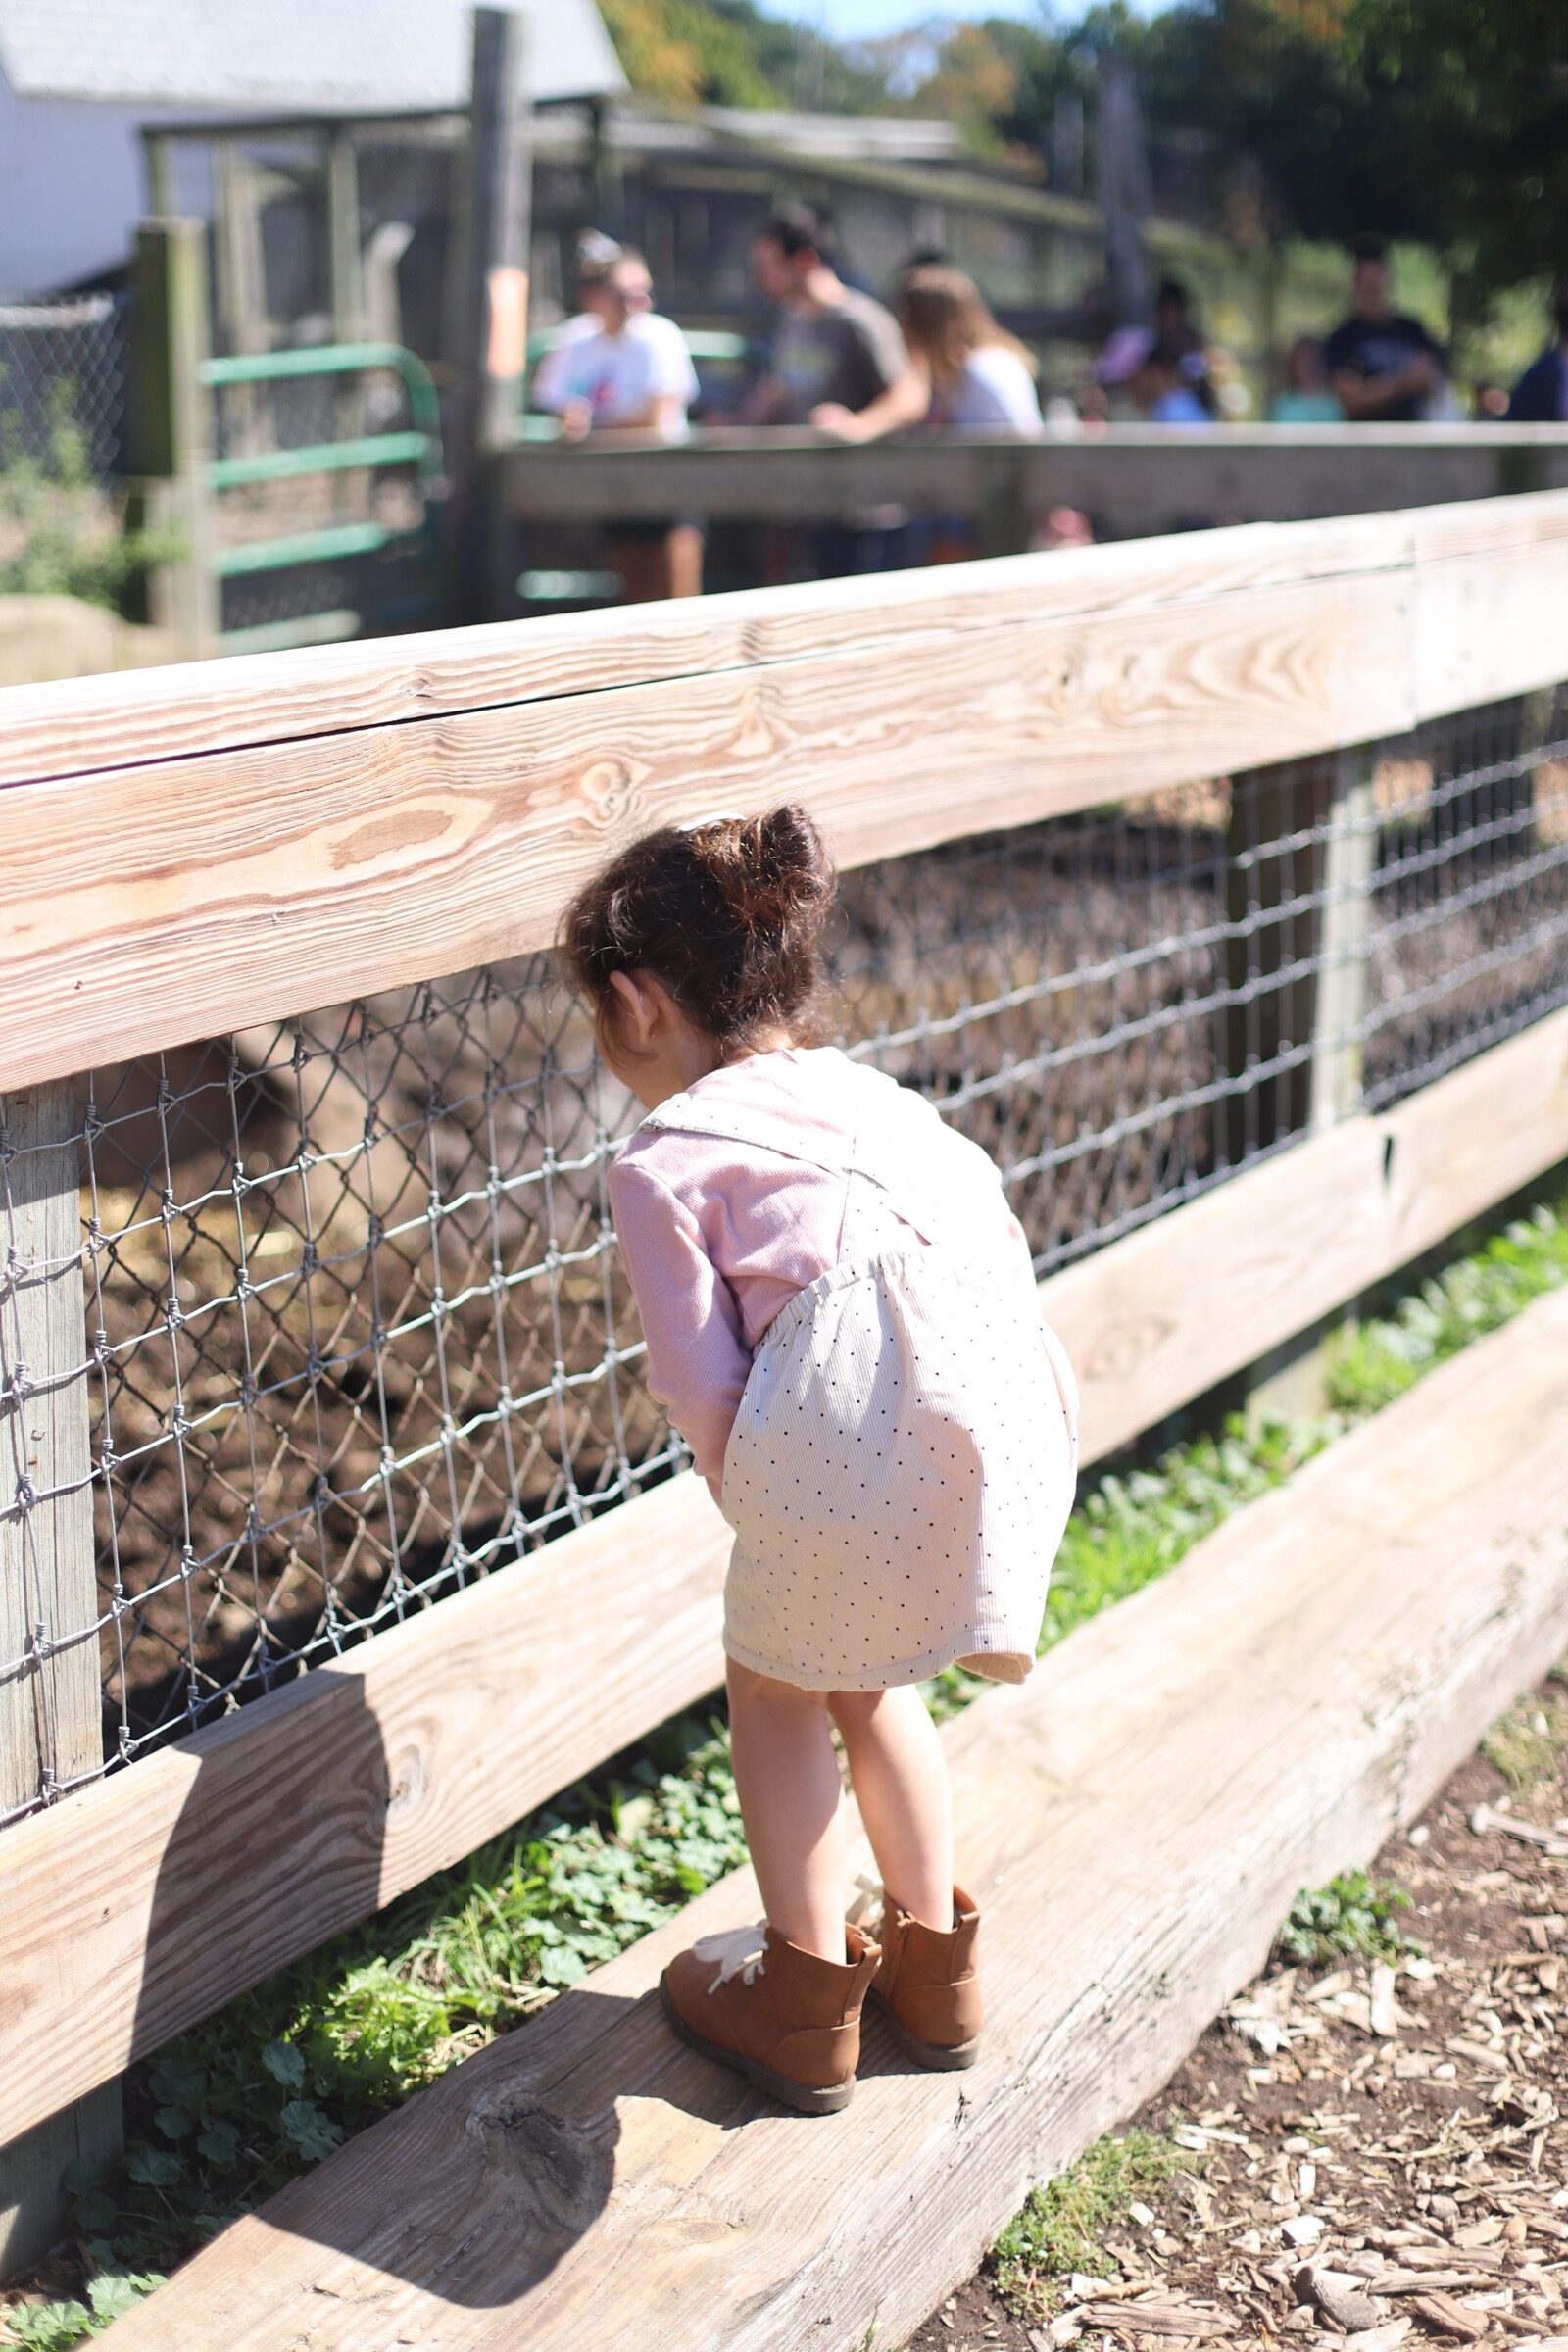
(718, 1235)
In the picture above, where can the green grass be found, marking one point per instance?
(1524, 1743)
(1478, 1293)
(1062, 2229)
(230, 2111)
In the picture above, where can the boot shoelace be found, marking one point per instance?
(739, 1952)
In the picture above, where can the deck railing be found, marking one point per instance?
(1218, 886)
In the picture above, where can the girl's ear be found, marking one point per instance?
(640, 1007)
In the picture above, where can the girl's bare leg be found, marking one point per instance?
(787, 1777)
(900, 1773)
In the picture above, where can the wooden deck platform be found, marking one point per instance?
(1134, 1823)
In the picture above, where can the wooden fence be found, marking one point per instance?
(190, 851)
(1130, 479)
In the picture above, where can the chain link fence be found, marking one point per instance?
(355, 1329)
(64, 372)
(63, 444)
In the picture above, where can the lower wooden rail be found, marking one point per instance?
(1134, 1824)
(146, 1901)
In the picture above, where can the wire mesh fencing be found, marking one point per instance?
(355, 1331)
(63, 375)
(62, 438)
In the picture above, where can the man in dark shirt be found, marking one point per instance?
(1540, 395)
(834, 346)
(1384, 366)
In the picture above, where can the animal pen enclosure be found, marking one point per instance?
(1219, 886)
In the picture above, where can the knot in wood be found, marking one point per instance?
(553, 2172)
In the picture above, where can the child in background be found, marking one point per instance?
(841, 1314)
(1309, 396)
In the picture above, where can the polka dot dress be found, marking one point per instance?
(898, 1475)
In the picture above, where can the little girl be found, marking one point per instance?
(841, 1316)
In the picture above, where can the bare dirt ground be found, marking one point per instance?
(1380, 2159)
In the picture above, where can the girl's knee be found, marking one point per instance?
(850, 1708)
(749, 1689)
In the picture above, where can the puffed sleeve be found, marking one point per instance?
(698, 1361)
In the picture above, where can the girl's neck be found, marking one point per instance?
(690, 1056)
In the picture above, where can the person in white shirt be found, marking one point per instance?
(633, 372)
(632, 375)
(596, 256)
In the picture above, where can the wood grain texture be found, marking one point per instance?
(1476, 1136)
(51, 1709)
(1141, 1815)
(123, 721)
(150, 1898)
(256, 884)
(152, 900)
(1168, 1312)
(436, 1735)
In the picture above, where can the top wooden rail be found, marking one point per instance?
(192, 850)
(1131, 478)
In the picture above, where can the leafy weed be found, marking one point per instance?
(1352, 1917)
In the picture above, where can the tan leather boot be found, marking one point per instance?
(929, 1986)
(785, 2019)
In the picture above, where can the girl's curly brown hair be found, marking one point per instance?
(728, 915)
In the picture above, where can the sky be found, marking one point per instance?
(856, 19)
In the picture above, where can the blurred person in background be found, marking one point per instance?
(1164, 391)
(1177, 331)
(1540, 395)
(633, 373)
(596, 257)
(1150, 380)
(1385, 368)
(834, 348)
(1309, 398)
(964, 372)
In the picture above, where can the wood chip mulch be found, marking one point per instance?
(1383, 2155)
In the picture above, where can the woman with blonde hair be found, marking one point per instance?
(965, 372)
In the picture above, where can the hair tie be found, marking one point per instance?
(719, 816)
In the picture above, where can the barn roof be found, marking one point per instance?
(346, 57)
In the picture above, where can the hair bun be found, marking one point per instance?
(771, 871)
(728, 911)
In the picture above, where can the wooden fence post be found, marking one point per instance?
(172, 416)
(1306, 832)
(345, 251)
(1005, 522)
(1349, 860)
(50, 1705)
(1268, 943)
(493, 337)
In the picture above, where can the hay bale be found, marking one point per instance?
(46, 637)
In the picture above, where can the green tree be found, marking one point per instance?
(692, 51)
(1441, 121)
